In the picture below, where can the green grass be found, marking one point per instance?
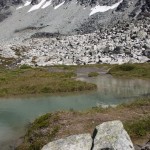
(131, 70)
(37, 81)
(93, 74)
(25, 67)
(40, 123)
(136, 103)
(40, 132)
(138, 128)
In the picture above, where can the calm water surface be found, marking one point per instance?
(16, 113)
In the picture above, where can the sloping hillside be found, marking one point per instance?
(74, 32)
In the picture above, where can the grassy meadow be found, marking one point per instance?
(26, 80)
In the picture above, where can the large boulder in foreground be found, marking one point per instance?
(75, 142)
(107, 136)
(112, 136)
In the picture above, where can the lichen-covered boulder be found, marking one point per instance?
(111, 135)
(75, 142)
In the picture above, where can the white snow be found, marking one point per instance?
(19, 7)
(59, 5)
(99, 8)
(35, 7)
(48, 3)
(27, 3)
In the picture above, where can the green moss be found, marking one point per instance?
(93, 74)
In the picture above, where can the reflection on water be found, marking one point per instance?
(16, 113)
(120, 88)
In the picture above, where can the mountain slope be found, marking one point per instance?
(66, 16)
(75, 32)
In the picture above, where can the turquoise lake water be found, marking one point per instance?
(16, 113)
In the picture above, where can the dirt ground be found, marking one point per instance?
(76, 123)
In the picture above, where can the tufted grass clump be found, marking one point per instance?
(40, 132)
(39, 81)
(126, 67)
(25, 66)
(93, 74)
(131, 70)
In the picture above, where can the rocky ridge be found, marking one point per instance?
(68, 16)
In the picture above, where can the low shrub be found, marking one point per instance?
(126, 67)
(25, 67)
(93, 74)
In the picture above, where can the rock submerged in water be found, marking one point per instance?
(107, 136)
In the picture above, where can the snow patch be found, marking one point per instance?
(35, 7)
(27, 3)
(99, 8)
(56, 7)
(19, 7)
(47, 4)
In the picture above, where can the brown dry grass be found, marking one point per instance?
(37, 81)
(72, 122)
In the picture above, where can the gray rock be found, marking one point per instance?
(147, 53)
(75, 142)
(137, 147)
(112, 135)
(146, 146)
(118, 50)
(142, 34)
